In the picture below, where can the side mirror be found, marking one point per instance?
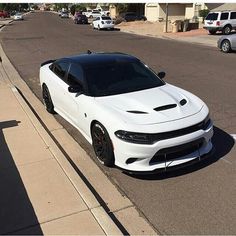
(161, 74)
(75, 88)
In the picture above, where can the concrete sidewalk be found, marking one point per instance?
(40, 191)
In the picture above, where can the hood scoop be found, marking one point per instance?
(137, 112)
(183, 102)
(166, 107)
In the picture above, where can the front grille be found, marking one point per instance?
(176, 133)
(168, 154)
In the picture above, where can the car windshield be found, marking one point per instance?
(106, 18)
(120, 77)
(212, 16)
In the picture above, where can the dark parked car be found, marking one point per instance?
(80, 19)
(4, 14)
(131, 16)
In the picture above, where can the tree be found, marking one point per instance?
(203, 13)
(121, 7)
(72, 9)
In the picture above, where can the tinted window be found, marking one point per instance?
(75, 75)
(224, 16)
(60, 69)
(106, 18)
(212, 16)
(119, 77)
(233, 15)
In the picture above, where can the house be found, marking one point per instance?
(176, 11)
(221, 6)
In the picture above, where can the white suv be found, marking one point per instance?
(224, 21)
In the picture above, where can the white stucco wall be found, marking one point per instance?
(152, 11)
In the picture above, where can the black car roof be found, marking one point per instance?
(100, 58)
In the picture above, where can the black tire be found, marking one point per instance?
(99, 27)
(47, 100)
(225, 46)
(212, 31)
(227, 29)
(102, 144)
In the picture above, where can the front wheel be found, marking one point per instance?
(102, 144)
(225, 46)
(47, 100)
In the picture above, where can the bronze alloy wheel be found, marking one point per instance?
(102, 144)
(47, 100)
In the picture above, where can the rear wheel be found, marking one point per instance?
(227, 29)
(47, 100)
(212, 31)
(225, 46)
(102, 144)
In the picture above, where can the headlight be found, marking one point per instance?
(102, 22)
(132, 137)
(206, 122)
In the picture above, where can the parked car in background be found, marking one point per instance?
(64, 14)
(224, 21)
(80, 18)
(227, 43)
(92, 13)
(103, 22)
(18, 16)
(103, 12)
(131, 16)
(4, 14)
(131, 117)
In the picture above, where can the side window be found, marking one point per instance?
(60, 69)
(233, 15)
(75, 75)
(224, 16)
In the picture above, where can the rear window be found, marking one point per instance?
(224, 16)
(233, 15)
(106, 18)
(212, 16)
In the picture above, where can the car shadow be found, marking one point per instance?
(16, 210)
(222, 145)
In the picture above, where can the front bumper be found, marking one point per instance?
(144, 154)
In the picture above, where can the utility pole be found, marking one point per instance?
(167, 13)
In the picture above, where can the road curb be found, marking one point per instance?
(119, 210)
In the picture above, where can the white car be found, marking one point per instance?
(18, 16)
(132, 118)
(64, 14)
(103, 22)
(224, 21)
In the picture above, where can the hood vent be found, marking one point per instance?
(138, 112)
(166, 107)
(183, 102)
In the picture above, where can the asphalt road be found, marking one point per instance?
(197, 200)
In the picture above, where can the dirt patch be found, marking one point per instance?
(157, 29)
